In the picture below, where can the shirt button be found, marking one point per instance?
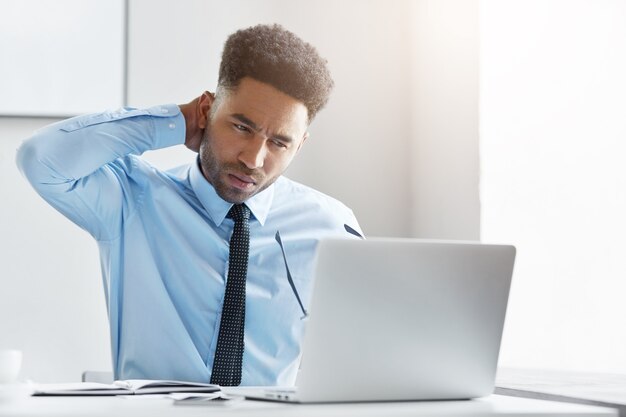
(164, 110)
(172, 125)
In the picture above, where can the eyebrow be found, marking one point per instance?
(253, 126)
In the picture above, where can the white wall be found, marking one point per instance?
(402, 178)
(51, 303)
(444, 120)
(553, 176)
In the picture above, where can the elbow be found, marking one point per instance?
(26, 157)
(29, 161)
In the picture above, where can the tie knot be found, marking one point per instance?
(239, 212)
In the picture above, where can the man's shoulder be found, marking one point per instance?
(288, 190)
(141, 170)
(136, 164)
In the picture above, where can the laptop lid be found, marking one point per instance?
(404, 319)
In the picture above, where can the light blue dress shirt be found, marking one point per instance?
(163, 240)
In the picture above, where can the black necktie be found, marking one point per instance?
(229, 351)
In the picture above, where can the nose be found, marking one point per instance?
(253, 153)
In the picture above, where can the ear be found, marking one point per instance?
(205, 103)
(304, 138)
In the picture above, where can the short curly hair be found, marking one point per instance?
(273, 55)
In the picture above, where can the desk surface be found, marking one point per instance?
(140, 406)
(607, 390)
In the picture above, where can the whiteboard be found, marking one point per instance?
(62, 57)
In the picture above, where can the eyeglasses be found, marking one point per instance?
(352, 231)
(293, 286)
(290, 279)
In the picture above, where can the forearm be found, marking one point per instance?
(62, 153)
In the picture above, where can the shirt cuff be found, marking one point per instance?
(169, 125)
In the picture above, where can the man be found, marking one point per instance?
(207, 268)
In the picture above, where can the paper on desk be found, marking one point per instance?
(192, 398)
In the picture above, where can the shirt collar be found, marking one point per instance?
(259, 204)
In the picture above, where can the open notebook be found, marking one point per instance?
(126, 387)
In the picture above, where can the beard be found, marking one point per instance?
(216, 173)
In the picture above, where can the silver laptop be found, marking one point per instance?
(401, 319)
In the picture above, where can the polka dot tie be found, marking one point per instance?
(229, 351)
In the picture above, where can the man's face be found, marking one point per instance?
(250, 139)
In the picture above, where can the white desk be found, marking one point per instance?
(606, 390)
(140, 406)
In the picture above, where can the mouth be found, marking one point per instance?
(240, 181)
